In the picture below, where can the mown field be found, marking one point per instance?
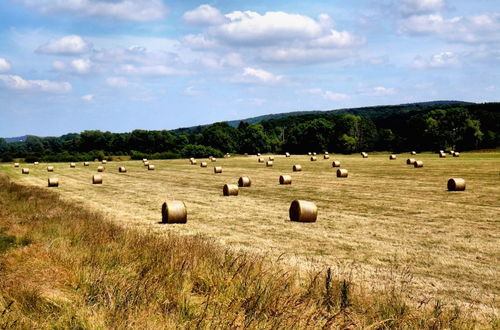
(386, 223)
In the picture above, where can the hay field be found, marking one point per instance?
(386, 224)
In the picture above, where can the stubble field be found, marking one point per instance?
(386, 223)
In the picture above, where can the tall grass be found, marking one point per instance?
(76, 270)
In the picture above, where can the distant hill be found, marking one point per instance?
(16, 139)
(371, 112)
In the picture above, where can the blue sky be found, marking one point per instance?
(117, 65)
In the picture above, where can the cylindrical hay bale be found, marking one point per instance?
(456, 184)
(213, 159)
(122, 169)
(326, 152)
(392, 157)
(144, 159)
(244, 181)
(53, 182)
(456, 154)
(309, 153)
(151, 167)
(410, 161)
(72, 165)
(413, 153)
(246, 154)
(452, 152)
(25, 171)
(326, 156)
(146, 163)
(86, 164)
(271, 157)
(287, 154)
(104, 161)
(342, 173)
(303, 211)
(100, 168)
(441, 151)
(36, 163)
(50, 168)
(297, 168)
(314, 158)
(285, 179)
(442, 155)
(193, 161)
(203, 164)
(418, 164)
(217, 169)
(269, 163)
(260, 160)
(16, 164)
(230, 190)
(96, 179)
(314, 154)
(364, 155)
(258, 154)
(96, 160)
(336, 163)
(174, 212)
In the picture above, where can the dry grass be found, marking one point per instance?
(386, 221)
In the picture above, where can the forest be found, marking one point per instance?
(391, 128)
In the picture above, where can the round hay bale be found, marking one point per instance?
(203, 164)
(456, 184)
(314, 158)
(96, 160)
(50, 168)
(452, 152)
(392, 157)
(326, 152)
(258, 154)
(326, 156)
(72, 165)
(122, 169)
(418, 164)
(442, 155)
(314, 154)
(244, 181)
(230, 190)
(336, 163)
(342, 173)
(86, 164)
(297, 168)
(144, 160)
(173, 212)
(104, 161)
(151, 167)
(441, 151)
(287, 154)
(246, 154)
(193, 161)
(413, 153)
(364, 155)
(217, 169)
(53, 182)
(260, 160)
(100, 168)
(456, 154)
(36, 163)
(213, 159)
(410, 161)
(271, 157)
(309, 153)
(227, 155)
(285, 179)
(96, 179)
(303, 211)
(269, 163)
(16, 164)
(146, 163)
(25, 171)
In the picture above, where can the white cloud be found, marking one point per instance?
(192, 91)
(469, 29)
(261, 75)
(88, 98)
(129, 10)
(149, 70)
(77, 66)
(118, 82)
(444, 59)
(17, 83)
(4, 65)
(381, 91)
(68, 45)
(199, 42)
(303, 54)
(410, 7)
(204, 15)
(328, 95)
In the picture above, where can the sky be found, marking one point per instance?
(118, 65)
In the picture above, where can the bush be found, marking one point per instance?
(200, 151)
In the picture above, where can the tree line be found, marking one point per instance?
(430, 128)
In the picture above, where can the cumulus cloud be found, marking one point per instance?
(411, 7)
(149, 70)
(328, 95)
(88, 98)
(468, 29)
(14, 82)
(444, 59)
(4, 65)
(381, 91)
(128, 10)
(68, 45)
(77, 66)
(259, 75)
(118, 82)
(204, 15)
